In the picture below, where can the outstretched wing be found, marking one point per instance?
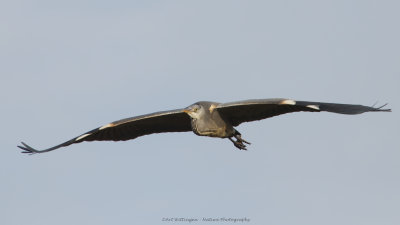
(129, 128)
(257, 109)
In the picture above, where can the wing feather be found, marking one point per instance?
(129, 128)
(257, 109)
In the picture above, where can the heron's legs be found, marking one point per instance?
(239, 142)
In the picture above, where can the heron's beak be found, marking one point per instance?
(186, 111)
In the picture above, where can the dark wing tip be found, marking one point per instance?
(380, 108)
(29, 150)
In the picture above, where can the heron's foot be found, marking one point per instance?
(239, 142)
(239, 138)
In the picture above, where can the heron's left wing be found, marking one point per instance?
(257, 109)
(129, 128)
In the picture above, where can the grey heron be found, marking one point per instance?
(205, 118)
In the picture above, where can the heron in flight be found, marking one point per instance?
(206, 119)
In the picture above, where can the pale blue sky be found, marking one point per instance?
(70, 66)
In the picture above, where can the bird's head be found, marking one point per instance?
(195, 111)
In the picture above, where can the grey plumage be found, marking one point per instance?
(206, 119)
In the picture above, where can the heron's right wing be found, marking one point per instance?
(257, 109)
(129, 128)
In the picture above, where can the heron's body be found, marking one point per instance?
(206, 119)
(210, 122)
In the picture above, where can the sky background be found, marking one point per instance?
(70, 66)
